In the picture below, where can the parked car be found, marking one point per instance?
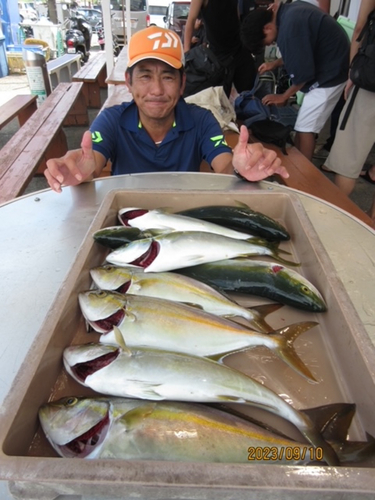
(158, 11)
(176, 16)
(139, 17)
(93, 16)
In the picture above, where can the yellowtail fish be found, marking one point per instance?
(183, 249)
(164, 324)
(257, 277)
(160, 219)
(161, 375)
(172, 286)
(127, 429)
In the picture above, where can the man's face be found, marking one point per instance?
(270, 32)
(156, 88)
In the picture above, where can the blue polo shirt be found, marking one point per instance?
(195, 136)
(314, 47)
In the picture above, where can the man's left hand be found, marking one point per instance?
(255, 162)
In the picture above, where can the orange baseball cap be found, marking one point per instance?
(156, 43)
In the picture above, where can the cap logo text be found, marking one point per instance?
(171, 40)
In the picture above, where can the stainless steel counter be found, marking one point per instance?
(41, 233)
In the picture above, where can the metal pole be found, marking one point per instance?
(107, 25)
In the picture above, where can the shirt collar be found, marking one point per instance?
(183, 120)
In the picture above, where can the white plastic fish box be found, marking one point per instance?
(338, 352)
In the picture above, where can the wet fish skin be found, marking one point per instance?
(145, 430)
(265, 279)
(164, 324)
(161, 219)
(241, 218)
(116, 236)
(183, 249)
(160, 375)
(179, 288)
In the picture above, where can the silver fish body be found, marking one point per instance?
(175, 287)
(161, 375)
(159, 219)
(164, 324)
(183, 249)
(129, 429)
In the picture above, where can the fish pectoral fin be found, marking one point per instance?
(121, 342)
(192, 304)
(132, 418)
(144, 390)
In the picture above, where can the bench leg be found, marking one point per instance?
(57, 148)
(25, 114)
(91, 91)
(78, 114)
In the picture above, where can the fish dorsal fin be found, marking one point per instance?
(121, 342)
(241, 204)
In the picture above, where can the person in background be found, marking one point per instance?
(325, 5)
(315, 53)
(158, 131)
(352, 145)
(222, 24)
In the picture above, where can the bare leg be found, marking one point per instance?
(305, 142)
(346, 184)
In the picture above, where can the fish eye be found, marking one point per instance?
(305, 289)
(70, 401)
(102, 293)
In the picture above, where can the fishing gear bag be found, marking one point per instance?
(203, 70)
(265, 122)
(362, 68)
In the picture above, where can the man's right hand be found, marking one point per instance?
(73, 168)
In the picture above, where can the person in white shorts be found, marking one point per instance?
(315, 54)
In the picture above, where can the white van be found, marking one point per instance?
(158, 10)
(139, 17)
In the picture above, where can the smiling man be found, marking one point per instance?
(158, 131)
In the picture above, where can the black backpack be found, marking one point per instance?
(362, 68)
(203, 70)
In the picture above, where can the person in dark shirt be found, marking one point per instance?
(222, 24)
(158, 131)
(315, 53)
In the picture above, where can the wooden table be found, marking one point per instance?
(117, 76)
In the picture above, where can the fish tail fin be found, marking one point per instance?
(354, 452)
(260, 313)
(333, 422)
(284, 339)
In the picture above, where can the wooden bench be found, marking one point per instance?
(93, 75)
(306, 177)
(20, 106)
(117, 76)
(40, 138)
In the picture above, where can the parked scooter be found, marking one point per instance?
(101, 39)
(78, 37)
